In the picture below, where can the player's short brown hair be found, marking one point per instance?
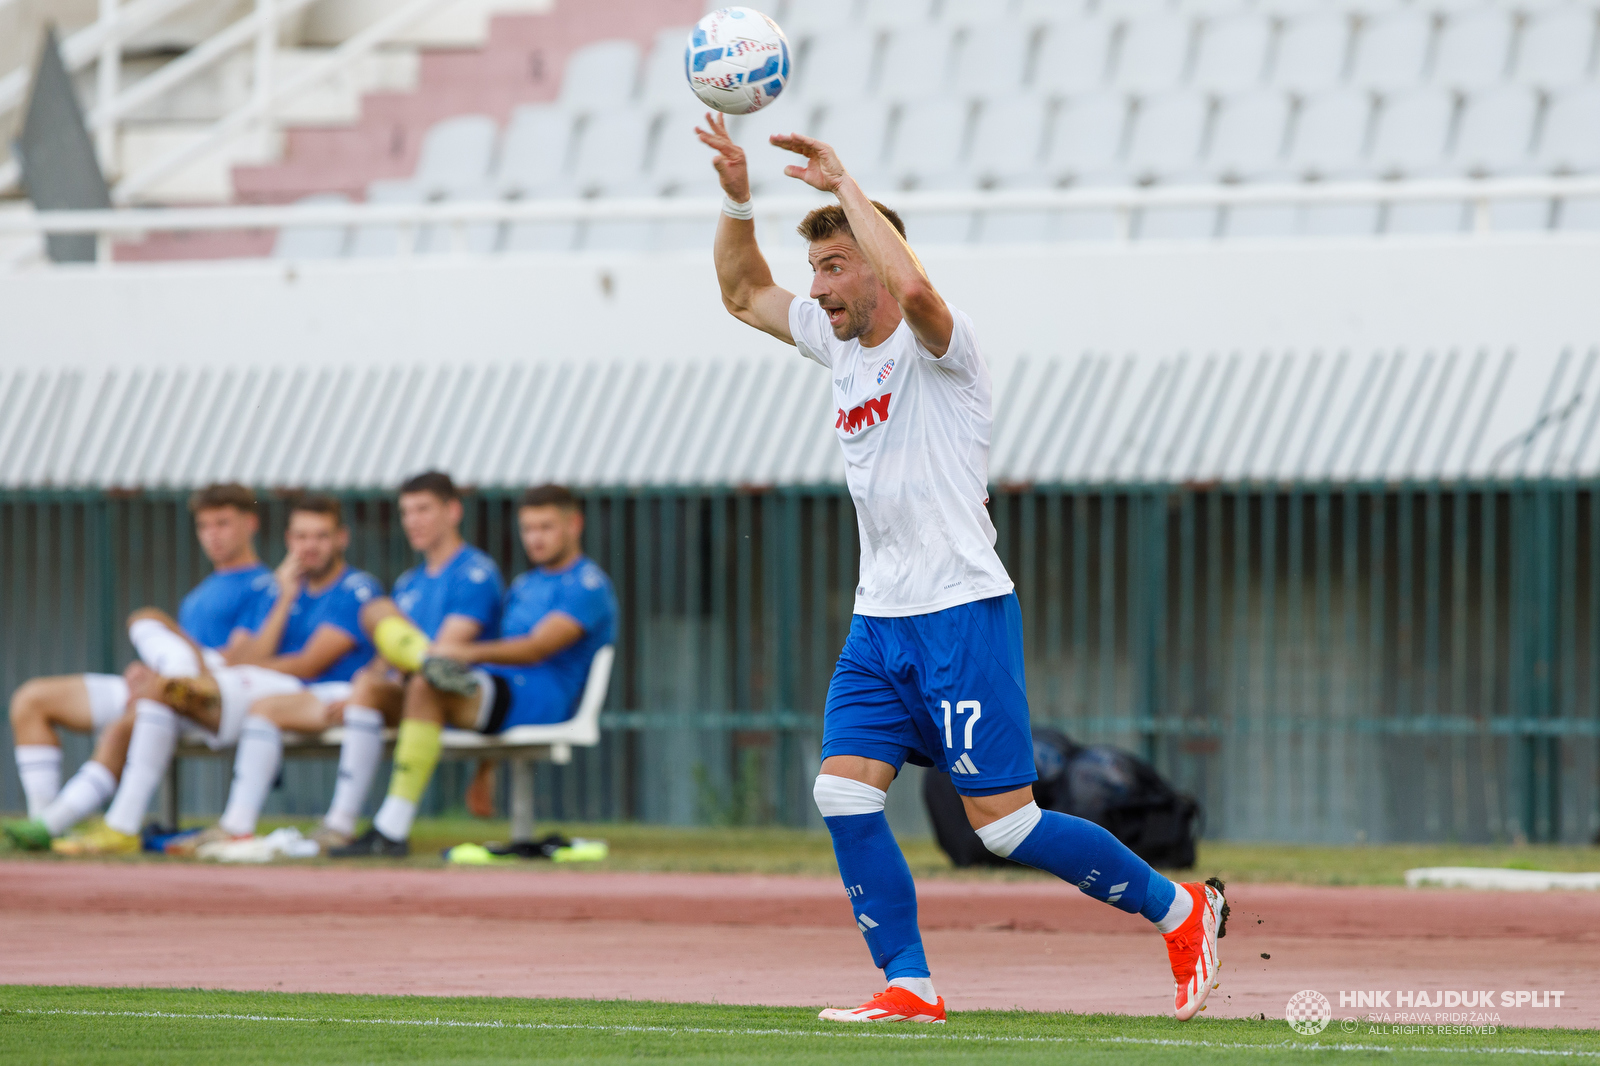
(223, 494)
(317, 503)
(550, 496)
(436, 482)
(824, 222)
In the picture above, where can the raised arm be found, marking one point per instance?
(891, 258)
(747, 288)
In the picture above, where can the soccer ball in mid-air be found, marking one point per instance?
(737, 60)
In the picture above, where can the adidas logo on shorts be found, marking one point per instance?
(963, 765)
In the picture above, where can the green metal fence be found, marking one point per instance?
(1315, 663)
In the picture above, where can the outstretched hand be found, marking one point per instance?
(822, 170)
(729, 161)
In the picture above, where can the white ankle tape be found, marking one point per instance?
(839, 796)
(1002, 837)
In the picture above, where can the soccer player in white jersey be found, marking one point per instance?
(932, 669)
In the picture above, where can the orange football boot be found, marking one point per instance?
(1192, 947)
(893, 1004)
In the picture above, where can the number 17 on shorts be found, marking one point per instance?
(958, 727)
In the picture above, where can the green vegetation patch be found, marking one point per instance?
(91, 1025)
(636, 847)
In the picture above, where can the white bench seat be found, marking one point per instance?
(521, 746)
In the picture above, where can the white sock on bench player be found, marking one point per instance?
(162, 650)
(84, 793)
(359, 756)
(155, 738)
(255, 768)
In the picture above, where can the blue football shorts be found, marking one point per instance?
(945, 689)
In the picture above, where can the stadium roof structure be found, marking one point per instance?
(1340, 416)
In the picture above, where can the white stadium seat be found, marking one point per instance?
(1392, 50)
(1496, 130)
(1008, 141)
(1249, 138)
(1214, 8)
(1154, 54)
(456, 154)
(838, 66)
(1571, 138)
(1086, 143)
(679, 164)
(1313, 52)
(802, 17)
(1426, 216)
(1413, 132)
(993, 61)
(1557, 47)
(609, 155)
(1124, 9)
(1340, 220)
(1168, 137)
(1330, 135)
(928, 144)
(860, 134)
(534, 154)
(1074, 56)
(1232, 53)
(916, 63)
(974, 13)
(1475, 49)
(664, 81)
(766, 163)
(533, 163)
(600, 76)
(313, 242)
(373, 241)
(1052, 10)
(895, 14)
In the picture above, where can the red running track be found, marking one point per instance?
(688, 937)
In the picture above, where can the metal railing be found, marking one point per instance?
(1314, 661)
(102, 41)
(457, 216)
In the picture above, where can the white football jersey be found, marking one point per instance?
(915, 434)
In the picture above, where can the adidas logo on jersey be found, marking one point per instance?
(869, 413)
(963, 765)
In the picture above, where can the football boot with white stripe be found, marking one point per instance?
(1192, 947)
(893, 1004)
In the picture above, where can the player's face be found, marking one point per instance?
(843, 285)
(225, 533)
(549, 534)
(428, 520)
(317, 543)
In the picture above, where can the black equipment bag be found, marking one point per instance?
(1106, 785)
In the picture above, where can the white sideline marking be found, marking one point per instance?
(1490, 877)
(858, 1034)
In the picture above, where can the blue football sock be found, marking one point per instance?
(878, 882)
(1085, 854)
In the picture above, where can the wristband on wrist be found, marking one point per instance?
(733, 209)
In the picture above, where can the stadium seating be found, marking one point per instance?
(919, 94)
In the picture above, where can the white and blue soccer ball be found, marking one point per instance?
(737, 60)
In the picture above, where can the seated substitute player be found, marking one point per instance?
(932, 669)
(556, 616)
(216, 613)
(311, 630)
(453, 596)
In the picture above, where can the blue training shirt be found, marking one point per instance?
(226, 600)
(339, 605)
(468, 585)
(583, 592)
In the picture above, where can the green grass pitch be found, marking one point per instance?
(90, 1025)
